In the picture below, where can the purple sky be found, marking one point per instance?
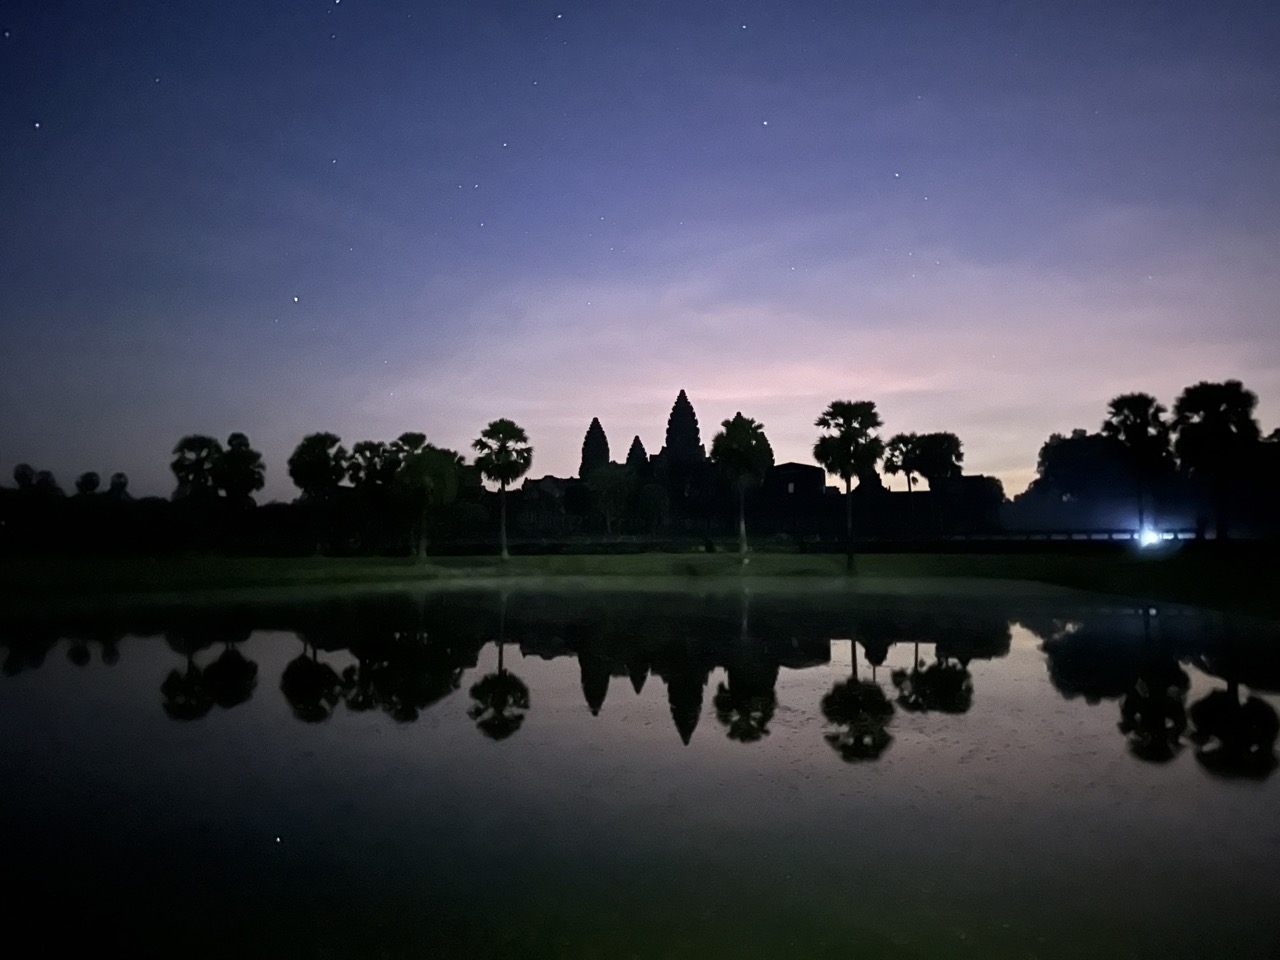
(988, 218)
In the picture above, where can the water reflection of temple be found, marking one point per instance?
(404, 655)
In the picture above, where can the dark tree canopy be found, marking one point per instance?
(849, 446)
(88, 483)
(195, 460)
(938, 457)
(239, 472)
(504, 454)
(595, 450)
(318, 465)
(742, 449)
(1215, 425)
(900, 456)
(1081, 466)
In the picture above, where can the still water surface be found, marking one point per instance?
(953, 772)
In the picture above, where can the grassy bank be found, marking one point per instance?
(1238, 577)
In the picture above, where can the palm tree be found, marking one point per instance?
(862, 711)
(87, 484)
(742, 449)
(937, 457)
(501, 699)
(316, 467)
(1215, 431)
(504, 456)
(239, 472)
(1136, 421)
(849, 449)
(900, 457)
(195, 460)
(427, 480)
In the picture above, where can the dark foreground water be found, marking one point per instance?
(980, 772)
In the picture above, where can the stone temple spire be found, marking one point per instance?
(684, 445)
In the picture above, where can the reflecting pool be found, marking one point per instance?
(959, 770)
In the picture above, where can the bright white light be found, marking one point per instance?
(1147, 537)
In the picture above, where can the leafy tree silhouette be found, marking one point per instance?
(312, 687)
(87, 484)
(186, 694)
(743, 451)
(944, 685)
(239, 472)
(427, 481)
(24, 477)
(316, 467)
(1081, 466)
(195, 462)
(595, 450)
(849, 449)
(937, 458)
(504, 457)
(119, 487)
(232, 677)
(1216, 432)
(1137, 422)
(1234, 739)
(900, 457)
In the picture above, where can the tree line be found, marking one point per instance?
(1208, 454)
(411, 653)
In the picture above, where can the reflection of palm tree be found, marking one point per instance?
(231, 678)
(27, 650)
(944, 685)
(501, 699)
(1235, 739)
(862, 711)
(186, 695)
(312, 688)
(746, 704)
(1153, 715)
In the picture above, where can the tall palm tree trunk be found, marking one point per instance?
(848, 526)
(502, 496)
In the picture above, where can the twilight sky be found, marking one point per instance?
(370, 216)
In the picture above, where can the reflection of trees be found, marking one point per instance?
(746, 703)
(312, 687)
(860, 708)
(1096, 662)
(1235, 739)
(944, 686)
(231, 678)
(27, 649)
(192, 692)
(186, 694)
(501, 699)
(862, 711)
(1153, 714)
(80, 645)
